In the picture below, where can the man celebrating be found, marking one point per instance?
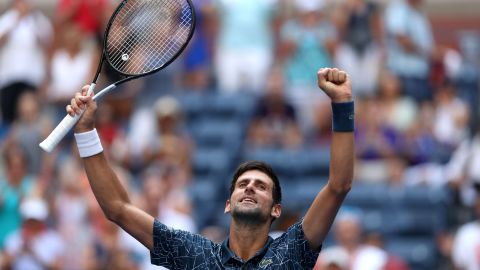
(254, 203)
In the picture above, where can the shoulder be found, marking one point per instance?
(294, 236)
(165, 235)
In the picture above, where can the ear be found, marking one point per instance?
(276, 210)
(227, 207)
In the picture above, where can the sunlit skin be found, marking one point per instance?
(251, 203)
(253, 195)
(252, 209)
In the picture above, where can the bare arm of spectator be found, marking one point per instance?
(109, 192)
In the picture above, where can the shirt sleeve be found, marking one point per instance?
(298, 248)
(177, 249)
(396, 16)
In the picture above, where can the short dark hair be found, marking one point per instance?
(263, 167)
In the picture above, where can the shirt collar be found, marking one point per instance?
(227, 253)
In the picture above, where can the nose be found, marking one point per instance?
(249, 188)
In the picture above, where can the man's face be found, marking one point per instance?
(252, 200)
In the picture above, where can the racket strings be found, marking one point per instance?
(147, 34)
(123, 61)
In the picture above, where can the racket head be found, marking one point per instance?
(145, 36)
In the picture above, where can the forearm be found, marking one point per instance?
(109, 192)
(341, 162)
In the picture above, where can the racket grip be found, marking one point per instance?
(62, 128)
(59, 132)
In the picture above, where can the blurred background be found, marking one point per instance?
(245, 88)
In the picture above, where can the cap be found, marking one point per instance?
(309, 5)
(34, 208)
(335, 255)
(167, 106)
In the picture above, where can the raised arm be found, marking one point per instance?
(106, 187)
(321, 214)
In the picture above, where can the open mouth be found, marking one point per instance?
(250, 200)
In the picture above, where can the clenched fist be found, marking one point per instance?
(336, 84)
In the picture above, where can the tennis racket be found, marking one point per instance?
(141, 38)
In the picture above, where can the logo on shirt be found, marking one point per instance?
(265, 262)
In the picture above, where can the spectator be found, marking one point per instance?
(400, 112)
(74, 55)
(409, 43)
(274, 124)
(348, 232)
(462, 171)
(307, 42)
(320, 132)
(71, 211)
(171, 145)
(334, 258)
(25, 38)
(90, 16)
(34, 246)
(359, 52)
(31, 127)
(466, 245)
(199, 54)
(244, 44)
(377, 141)
(451, 117)
(15, 185)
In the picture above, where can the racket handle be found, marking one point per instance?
(59, 132)
(62, 128)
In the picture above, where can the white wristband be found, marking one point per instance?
(88, 143)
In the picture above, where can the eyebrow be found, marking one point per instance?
(250, 179)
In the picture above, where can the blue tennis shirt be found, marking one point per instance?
(181, 250)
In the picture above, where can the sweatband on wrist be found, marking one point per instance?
(88, 143)
(343, 116)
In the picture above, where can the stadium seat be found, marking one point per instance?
(419, 253)
(211, 163)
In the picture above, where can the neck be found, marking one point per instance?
(247, 239)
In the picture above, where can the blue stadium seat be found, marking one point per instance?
(217, 133)
(211, 163)
(409, 221)
(419, 253)
(238, 106)
(282, 161)
(193, 105)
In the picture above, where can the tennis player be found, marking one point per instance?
(254, 203)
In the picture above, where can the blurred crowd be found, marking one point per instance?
(417, 122)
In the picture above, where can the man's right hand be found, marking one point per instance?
(83, 102)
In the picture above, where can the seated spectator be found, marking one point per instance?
(462, 171)
(34, 246)
(274, 124)
(451, 117)
(171, 145)
(164, 138)
(320, 133)
(348, 234)
(400, 112)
